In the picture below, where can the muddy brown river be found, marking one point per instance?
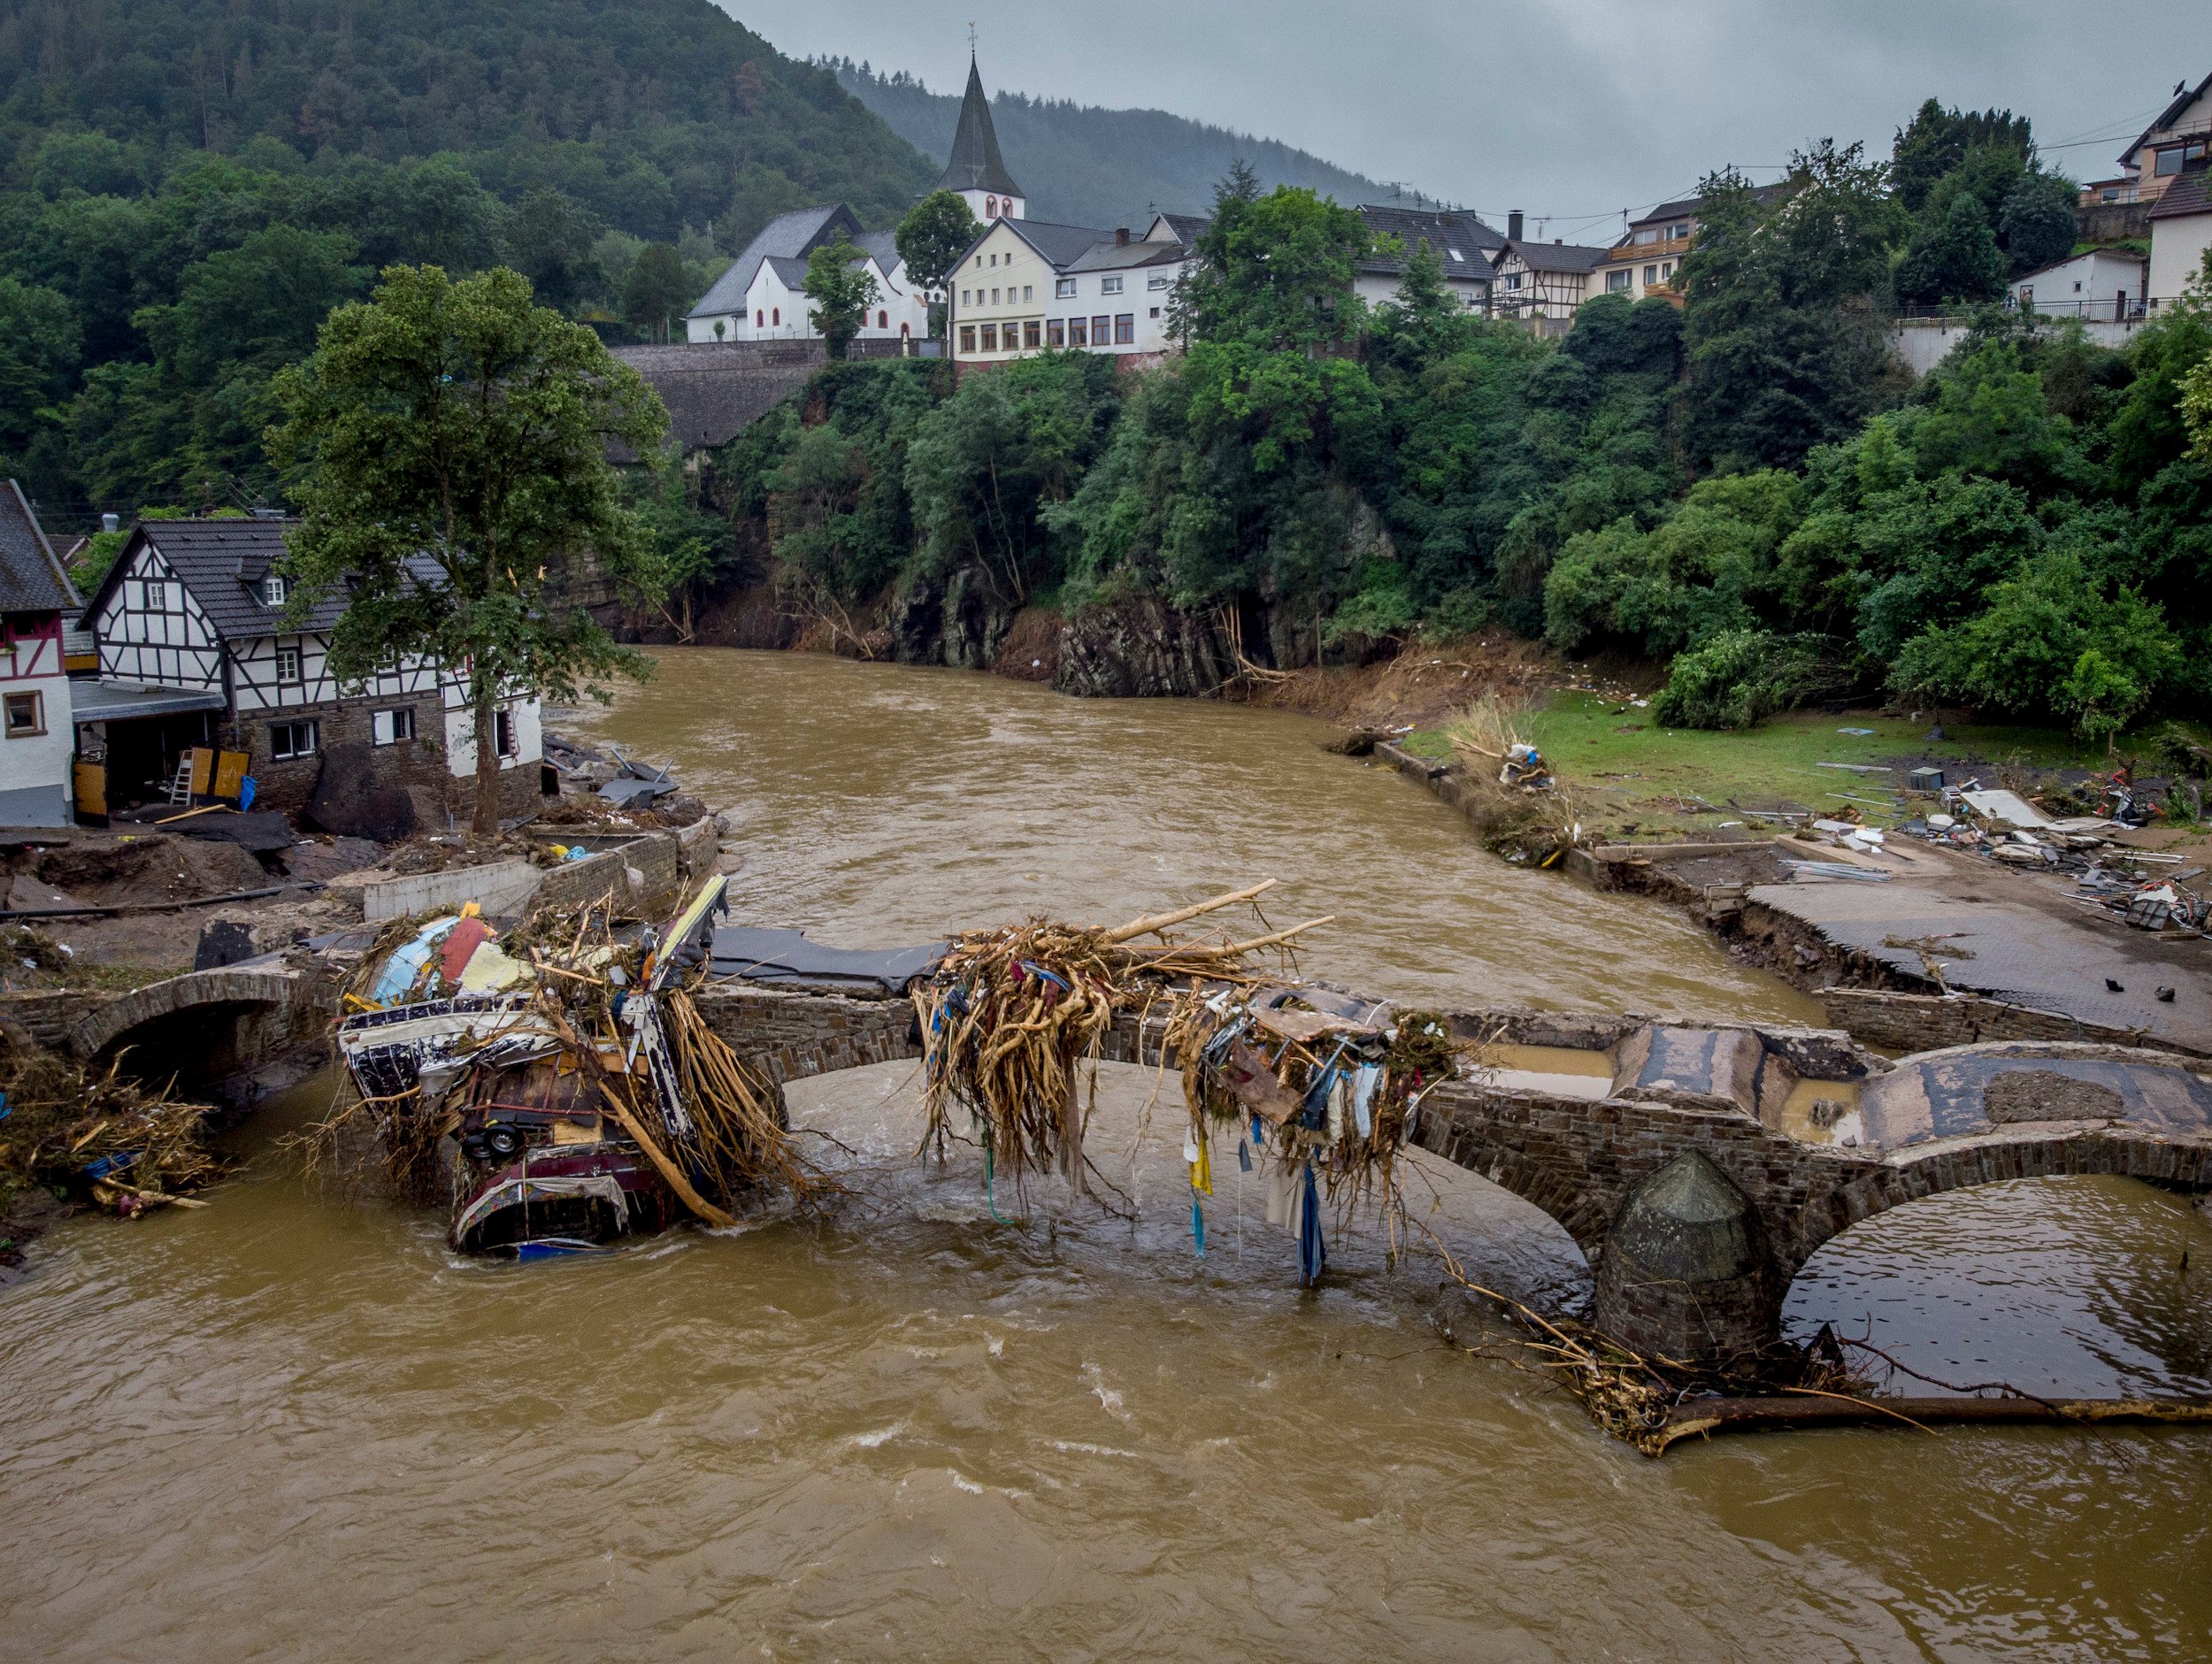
(942, 1424)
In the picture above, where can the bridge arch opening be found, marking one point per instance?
(2075, 1285)
(209, 1050)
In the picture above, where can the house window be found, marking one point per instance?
(990, 207)
(291, 740)
(154, 595)
(1157, 281)
(990, 337)
(883, 320)
(1651, 275)
(967, 337)
(759, 317)
(272, 590)
(1056, 333)
(503, 732)
(1063, 289)
(1078, 331)
(1155, 312)
(1030, 333)
(26, 716)
(1110, 284)
(1512, 280)
(1029, 293)
(1102, 331)
(995, 298)
(287, 664)
(1126, 329)
(1616, 281)
(389, 727)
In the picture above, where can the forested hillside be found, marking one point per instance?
(1083, 166)
(187, 187)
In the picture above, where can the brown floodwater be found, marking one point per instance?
(943, 1424)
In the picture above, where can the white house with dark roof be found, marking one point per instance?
(1028, 286)
(1541, 284)
(1460, 240)
(761, 296)
(193, 610)
(35, 732)
(2181, 232)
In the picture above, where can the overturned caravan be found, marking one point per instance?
(557, 1110)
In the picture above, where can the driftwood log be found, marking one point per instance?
(1703, 1417)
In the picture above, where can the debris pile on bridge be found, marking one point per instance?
(1008, 1014)
(104, 1138)
(573, 1096)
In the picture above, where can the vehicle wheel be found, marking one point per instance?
(503, 1143)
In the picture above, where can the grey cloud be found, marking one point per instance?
(1573, 109)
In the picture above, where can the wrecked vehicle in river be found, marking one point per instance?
(557, 1083)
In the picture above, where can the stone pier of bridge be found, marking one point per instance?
(1697, 1166)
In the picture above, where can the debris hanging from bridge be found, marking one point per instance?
(1008, 1014)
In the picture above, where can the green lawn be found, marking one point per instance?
(1632, 775)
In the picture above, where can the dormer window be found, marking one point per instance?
(273, 590)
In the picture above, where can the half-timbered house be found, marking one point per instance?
(34, 725)
(198, 605)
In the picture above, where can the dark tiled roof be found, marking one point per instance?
(1062, 246)
(222, 563)
(1690, 207)
(1187, 226)
(1122, 257)
(787, 236)
(2167, 116)
(976, 165)
(1461, 240)
(1559, 257)
(792, 271)
(882, 247)
(31, 579)
(2191, 193)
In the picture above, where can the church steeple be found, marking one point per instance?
(977, 171)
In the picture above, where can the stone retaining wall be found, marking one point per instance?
(1897, 1022)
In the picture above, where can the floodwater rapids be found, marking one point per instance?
(948, 1423)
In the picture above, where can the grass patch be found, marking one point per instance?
(1628, 774)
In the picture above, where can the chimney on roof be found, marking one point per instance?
(1558, 242)
(1121, 236)
(111, 523)
(1513, 224)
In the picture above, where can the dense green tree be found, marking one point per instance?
(1936, 142)
(655, 290)
(1956, 258)
(2037, 223)
(1784, 349)
(930, 240)
(842, 289)
(452, 437)
(39, 344)
(548, 240)
(984, 464)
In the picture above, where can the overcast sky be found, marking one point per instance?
(1570, 109)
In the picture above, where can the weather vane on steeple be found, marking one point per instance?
(972, 39)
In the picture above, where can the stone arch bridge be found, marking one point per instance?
(1697, 1167)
